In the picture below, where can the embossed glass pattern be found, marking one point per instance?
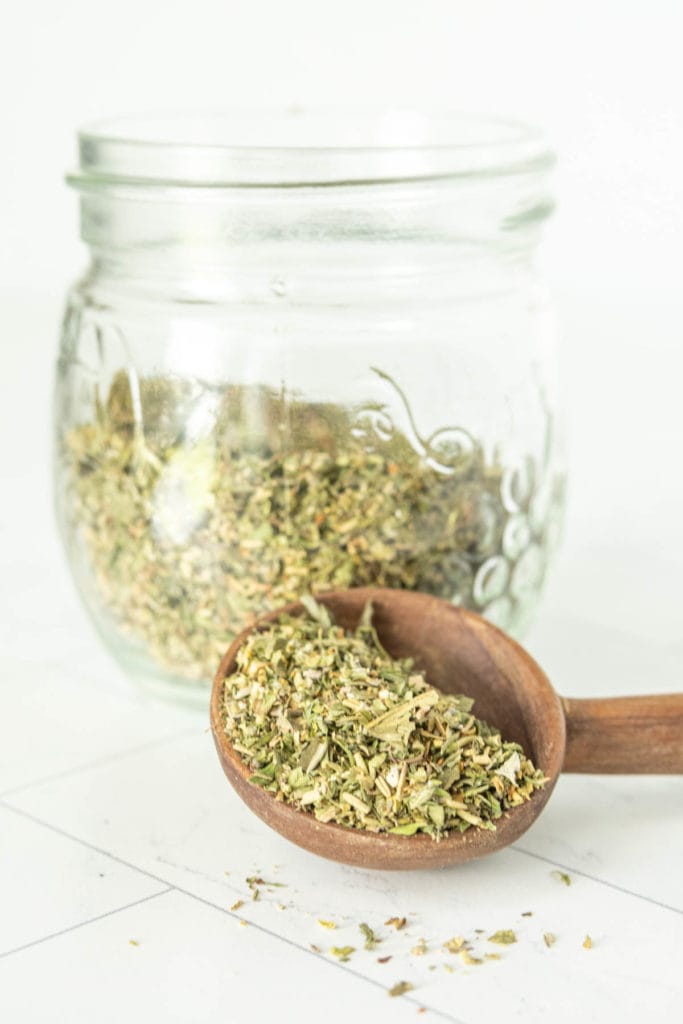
(328, 364)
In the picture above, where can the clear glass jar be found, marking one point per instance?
(308, 352)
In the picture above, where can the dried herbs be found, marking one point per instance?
(562, 876)
(191, 509)
(371, 940)
(342, 953)
(327, 721)
(400, 988)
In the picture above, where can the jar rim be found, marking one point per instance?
(303, 148)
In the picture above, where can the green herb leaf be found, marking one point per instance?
(400, 988)
(371, 939)
(562, 876)
(342, 953)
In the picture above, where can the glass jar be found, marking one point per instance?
(307, 353)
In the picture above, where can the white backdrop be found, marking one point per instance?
(604, 80)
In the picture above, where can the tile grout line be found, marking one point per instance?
(172, 887)
(97, 762)
(599, 881)
(309, 952)
(83, 842)
(82, 924)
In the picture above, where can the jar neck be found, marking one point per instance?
(316, 243)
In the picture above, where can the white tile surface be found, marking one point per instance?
(192, 965)
(49, 883)
(621, 830)
(196, 835)
(59, 719)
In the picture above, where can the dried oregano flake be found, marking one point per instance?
(562, 876)
(455, 945)
(396, 922)
(327, 721)
(342, 953)
(400, 988)
(371, 939)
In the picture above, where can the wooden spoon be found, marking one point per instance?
(460, 652)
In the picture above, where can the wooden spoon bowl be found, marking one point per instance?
(460, 652)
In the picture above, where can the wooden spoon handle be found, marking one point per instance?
(630, 735)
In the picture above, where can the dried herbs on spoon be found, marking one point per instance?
(327, 721)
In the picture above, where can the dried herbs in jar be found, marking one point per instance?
(194, 508)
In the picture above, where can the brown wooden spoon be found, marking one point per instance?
(461, 652)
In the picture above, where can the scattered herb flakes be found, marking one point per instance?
(396, 922)
(467, 957)
(133, 942)
(588, 942)
(400, 988)
(282, 906)
(478, 931)
(371, 939)
(528, 913)
(449, 968)
(492, 956)
(454, 945)
(549, 939)
(342, 953)
(383, 959)
(562, 876)
(505, 937)
(420, 949)
(329, 723)
(326, 924)
(237, 904)
(254, 881)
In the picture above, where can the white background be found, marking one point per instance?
(604, 79)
